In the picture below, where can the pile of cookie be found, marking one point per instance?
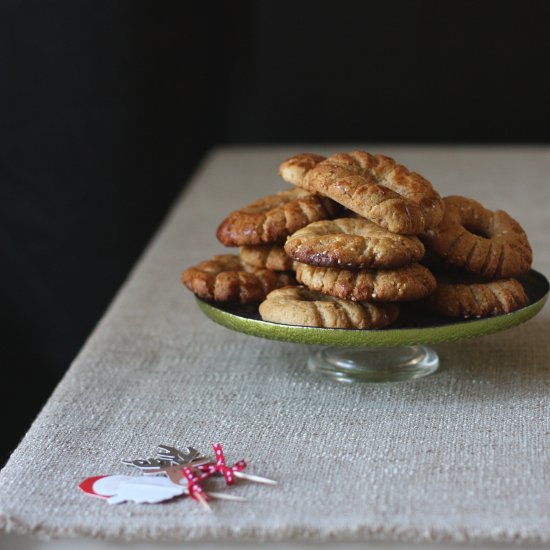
(358, 234)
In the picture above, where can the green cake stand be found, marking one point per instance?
(400, 352)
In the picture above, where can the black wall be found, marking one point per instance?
(106, 107)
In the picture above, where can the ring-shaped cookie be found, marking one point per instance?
(477, 240)
(225, 278)
(271, 219)
(402, 284)
(352, 242)
(465, 300)
(297, 305)
(373, 186)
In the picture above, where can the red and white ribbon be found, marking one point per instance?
(221, 466)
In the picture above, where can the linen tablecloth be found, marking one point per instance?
(462, 455)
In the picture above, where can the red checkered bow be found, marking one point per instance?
(221, 467)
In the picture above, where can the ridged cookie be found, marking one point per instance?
(352, 242)
(225, 278)
(298, 305)
(390, 285)
(477, 299)
(295, 168)
(374, 186)
(269, 256)
(477, 240)
(271, 219)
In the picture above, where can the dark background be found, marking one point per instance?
(107, 106)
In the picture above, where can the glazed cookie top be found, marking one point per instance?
(298, 305)
(473, 238)
(271, 219)
(373, 186)
(354, 243)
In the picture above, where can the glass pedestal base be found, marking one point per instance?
(374, 364)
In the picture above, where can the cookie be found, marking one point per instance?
(352, 242)
(225, 278)
(390, 285)
(269, 256)
(453, 299)
(271, 219)
(373, 186)
(477, 240)
(297, 305)
(295, 168)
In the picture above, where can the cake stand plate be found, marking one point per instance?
(399, 352)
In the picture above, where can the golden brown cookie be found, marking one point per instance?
(297, 305)
(225, 278)
(295, 168)
(389, 285)
(477, 240)
(268, 256)
(374, 186)
(477, 299)
(271, 219)
(352, 242)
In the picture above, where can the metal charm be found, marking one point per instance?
(149, 465)
(167, 456)
(175, 456)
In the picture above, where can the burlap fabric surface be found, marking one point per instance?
(460, 455)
